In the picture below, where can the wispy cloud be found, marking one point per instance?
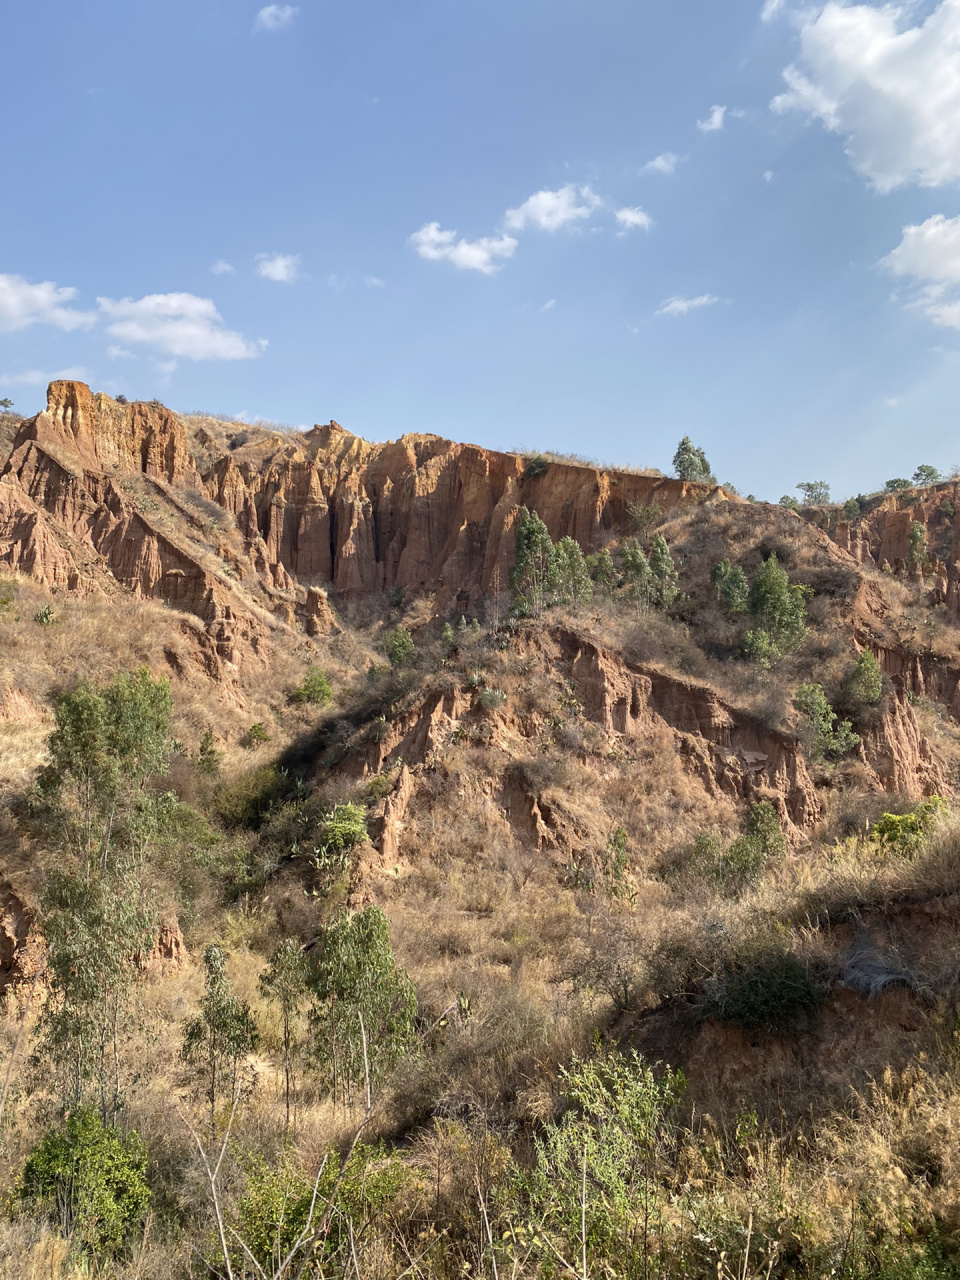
(274, 17)
(714, 120)
(666, 162)
(280, 267)
(771, 9)
(120, 353)
(548, 306)
(551, 210)
(23, 304)
(373, 282)
(177, 324)
(469, 255)
(221, 268)
(631, 219)
(677, 305)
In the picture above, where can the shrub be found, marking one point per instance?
(45, 616)
(904, 833)
(535, 466)
(255, 736)
(917, 553)
(208, 757)
(247, 800)
(895, 485)
(399, 646)
(732, 586)
(790, 503)
(851, 509)
(593, 1179)
(91, 1178)
(314, 690)
(770, 990)
(645, 516)
(864, 685)
(344, 827)
(828, 740)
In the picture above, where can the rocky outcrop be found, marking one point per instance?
(89, 502)
(419, 514)
(94, 432)
(729, 750)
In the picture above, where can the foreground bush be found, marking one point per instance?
(90, 1179)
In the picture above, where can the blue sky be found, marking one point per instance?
(581, 225)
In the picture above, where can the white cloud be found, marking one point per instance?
(677, 305)
(714, 120)
(274, 17)
(928, 251)
(120, 353)
(179, 324)
(469, 255)
(929, 254)
(768, 175)
(666, 162)
(23, 304)
(281, 267)
(221, 268)
(551, 210)
(891, 91)
(632, 328)
(548, 306)
(336, 283)
(373, 282)
(770, 10)
(630, 219)
(36, 378)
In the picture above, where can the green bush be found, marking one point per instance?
(769, 991)
(274, 1211)
(91, 1179)
(864, 685)
(535, 466)
(314, 690)
(399, 646)
(904, 833)
(247, 800)
(45, 616)
(209, 758)
(828, 740)
(593, 1177)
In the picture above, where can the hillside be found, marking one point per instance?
(641, 792)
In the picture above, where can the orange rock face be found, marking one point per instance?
(323, 508)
